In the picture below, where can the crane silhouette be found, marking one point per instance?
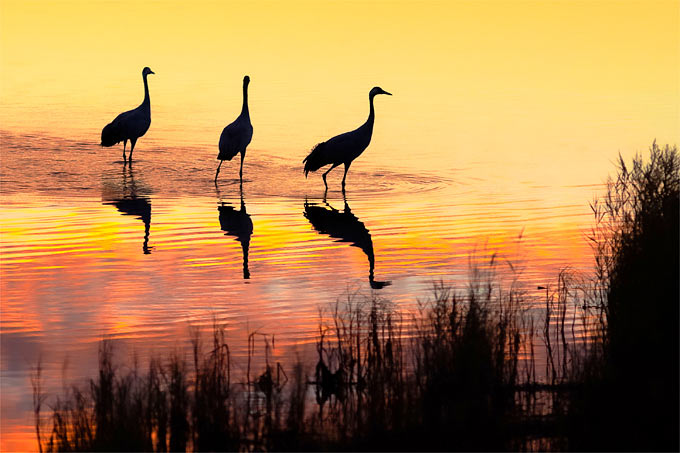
(236, 136)
(132, 124)
(237, 223)
(345, 227)
(128, 201)
(343, 148)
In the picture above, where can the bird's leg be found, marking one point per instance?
(324, 175)
(124, 143)
(132, 148)
(243, 203)
(240, 171)
(345, 176)
(218, 171)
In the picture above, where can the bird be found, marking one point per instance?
(130, 125)
(237, 223)
(345, 227)
(343, 148)
(236, 136)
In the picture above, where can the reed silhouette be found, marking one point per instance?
(630, 399)
(450, 390)
(236, 136)
(129, 201)
(343, 148)
(237, 223)
(130, 125)
(346, 227)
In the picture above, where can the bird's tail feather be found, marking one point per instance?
(111, 135)
(315, 159)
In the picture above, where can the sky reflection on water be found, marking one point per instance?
(92, 248)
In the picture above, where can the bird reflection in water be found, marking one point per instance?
(128, 199)
(346, 227)
(237, 223)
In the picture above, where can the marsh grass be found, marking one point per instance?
(448, 377)
(483, 368)
(629, 397)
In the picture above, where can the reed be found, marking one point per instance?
(629, 399)
(444, 378)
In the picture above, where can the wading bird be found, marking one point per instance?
(343, 148)
(236, 137)
(130, 125)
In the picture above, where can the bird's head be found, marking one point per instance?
(246, 80)
(377, 90)
(146, 71)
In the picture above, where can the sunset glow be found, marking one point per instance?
(505, 120)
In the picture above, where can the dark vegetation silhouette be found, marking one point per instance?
(595, 369)
(237, 135)
(237, 223)
(629, 399)
(345, 227)
(130, 125)
(343, 148)
(129, 201)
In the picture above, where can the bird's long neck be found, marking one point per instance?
(244, 109)
(371, 114)
(146, 103)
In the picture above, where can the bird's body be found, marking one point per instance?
(343, 148)
(130, 125)
(236, 137)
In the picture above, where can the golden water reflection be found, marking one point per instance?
(75, 266)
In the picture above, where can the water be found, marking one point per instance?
(505, 120)
(92, 248)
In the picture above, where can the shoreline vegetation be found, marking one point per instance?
(594, 368)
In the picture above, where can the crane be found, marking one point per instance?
(130, 125)
(343, 148)
(236, 136)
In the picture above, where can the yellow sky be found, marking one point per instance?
(556, 84)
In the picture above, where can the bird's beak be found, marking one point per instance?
(151, 72)
(385, 92)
